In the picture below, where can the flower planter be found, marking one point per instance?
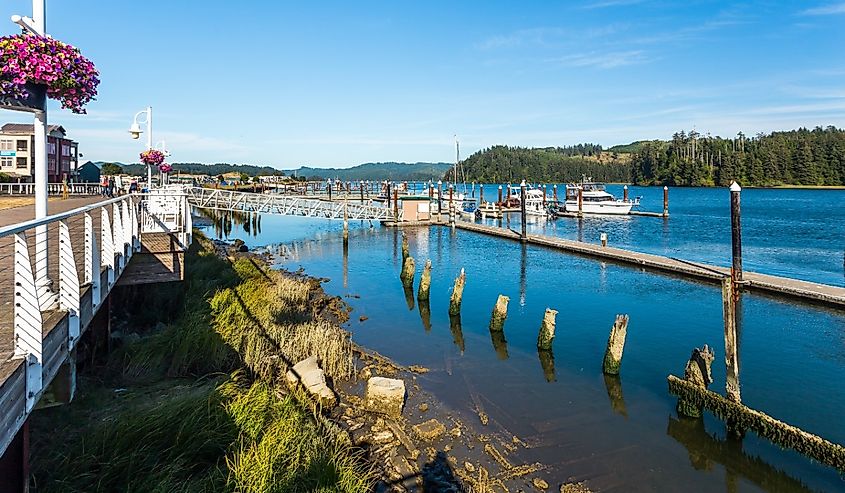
(35, 100)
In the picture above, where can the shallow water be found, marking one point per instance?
(618, 434)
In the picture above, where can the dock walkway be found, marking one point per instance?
(804, 290)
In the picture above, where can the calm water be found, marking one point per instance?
(618, 434)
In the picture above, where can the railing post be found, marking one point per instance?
(28, 338)
(107, 240)
(68, 284)
(126, 223)
(92, 260)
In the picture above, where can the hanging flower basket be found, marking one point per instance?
(33, 68)
(165, 168)
(152, 157)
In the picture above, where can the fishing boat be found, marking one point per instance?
(595, 199)
(535, 204)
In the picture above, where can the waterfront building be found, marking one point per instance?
(17, 141)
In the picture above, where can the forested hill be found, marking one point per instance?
(499, 164)
(376, 171)
(796, 157)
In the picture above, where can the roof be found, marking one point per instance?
(29, 128)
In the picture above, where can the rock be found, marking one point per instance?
(430, 430)
(540, 484)
(469, 467)
(423, 407)
(312, 377)
(418, 369)
(574, 488)
(382, 437)
(385, 396)
(362, 318)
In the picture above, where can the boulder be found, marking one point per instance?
(311, 376)
(385, 396)
(430, 430)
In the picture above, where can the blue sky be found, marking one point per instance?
(340, 83)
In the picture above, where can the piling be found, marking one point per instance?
(604, 239)
(665, 201)
(545, 193)
(405, 249)
(451, 206)
(547, 331)
(554, 191)
(500, 313)
(457, 294)
(481, 194)
(408, 271)
(425, 282)
(395, 205)
(345, 225)
(330, 190)
(697, 373)
(580, 201)
(625, 193)
(500, 196)
(387, 185)
(731, 356)
(361, 189)
(615, 346)
(439, 201)
(524, 235)
(736, 236)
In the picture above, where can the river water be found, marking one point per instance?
(617, 434)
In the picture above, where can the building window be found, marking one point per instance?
(22, 163)
(23, 145)
(7, 144)
(51, 147)
(7, 162)
(65, 150)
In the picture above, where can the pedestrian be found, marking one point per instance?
(133, 186)
(111, 187)
(104, 185)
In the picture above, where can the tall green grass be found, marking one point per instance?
(203, 409)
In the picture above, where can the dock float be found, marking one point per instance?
(824, 294)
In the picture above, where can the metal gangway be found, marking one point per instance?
(287, 205)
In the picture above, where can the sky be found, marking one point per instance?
(324, 84)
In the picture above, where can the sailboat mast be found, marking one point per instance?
(457, 160)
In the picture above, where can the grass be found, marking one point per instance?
(202, 408)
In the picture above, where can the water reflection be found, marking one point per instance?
(425, 315)
(523, 267)
(499, 343)
(345, 263)
(706, 450)
(457, 331)
(547, 362)
(409, 295)
(224, 222)
(613, 384)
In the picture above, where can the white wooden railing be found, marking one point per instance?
(52, 188)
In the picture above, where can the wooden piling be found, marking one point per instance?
(500, 196)
(697, 372)
(580, 201)
(736, 236)
(554, 191)
(500, 313)
(625, 193)
(547, 330)
(480, 194)
(405, 248)
(408, 271)
(615, 346)
(731, 356)
(523, 235)
(395, 205)
(665, 201)
(425, 282)
(439, 201)
(330, 190)
(361, 189)
(457, 294)
(545, 193)
(604, 239)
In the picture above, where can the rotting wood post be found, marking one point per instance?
(615, 346)
(736, 237)
(697, 372)
(524, 235)
(408, 271)
(580, 201)
(500, 313)
(457, 294)
(731, 356)
(406, 251)
(547, 330)
(625, 193)
(425, 282)
(665, 201)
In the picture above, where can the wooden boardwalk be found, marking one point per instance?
(824, 294)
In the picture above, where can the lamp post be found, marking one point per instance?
(135, 131)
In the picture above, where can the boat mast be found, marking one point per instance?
(457, 160)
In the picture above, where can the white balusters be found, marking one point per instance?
(28, 324)
(108, 244)
(68, 283)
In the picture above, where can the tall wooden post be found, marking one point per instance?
(580, 201)
(524, 234)
(554, 191)
(545, 193)
(731, 356)
(500, 196)
(665, 201)
(439, 200)
(361, 186)
(330, 190)
(395, 204)
(481, 194)
(457, 294)
(625, 193)
(736, 237)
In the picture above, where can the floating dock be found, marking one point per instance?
(824, 294)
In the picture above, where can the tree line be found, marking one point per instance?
(499, 164)
(795, 157)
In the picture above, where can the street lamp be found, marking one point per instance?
(135, 132)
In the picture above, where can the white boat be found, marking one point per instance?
(595, 200)
(534, 203)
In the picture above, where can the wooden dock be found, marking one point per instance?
(824, 294)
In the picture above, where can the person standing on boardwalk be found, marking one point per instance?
(104, 185)
(111, 187)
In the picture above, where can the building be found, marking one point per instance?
(88, 173)
(17, 141)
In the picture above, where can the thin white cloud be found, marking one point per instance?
(611, 3)
(602, 60)
(830, 9)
